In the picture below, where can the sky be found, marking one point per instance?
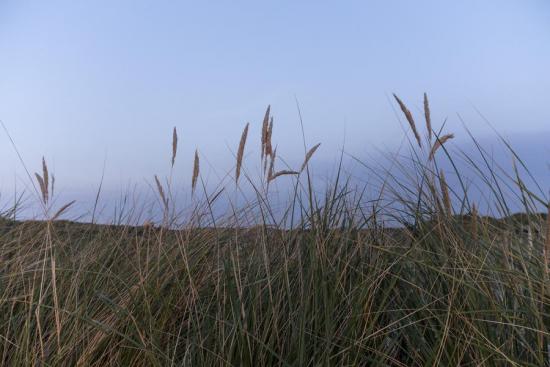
(102, 83)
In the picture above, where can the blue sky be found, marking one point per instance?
(88, 82)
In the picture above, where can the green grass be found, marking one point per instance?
(412, 277)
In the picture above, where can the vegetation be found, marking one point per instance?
(415, 275)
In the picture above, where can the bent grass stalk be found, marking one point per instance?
(438, 143)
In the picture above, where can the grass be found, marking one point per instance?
(415, 276)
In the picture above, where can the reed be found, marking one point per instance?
(428, 118)
(196, 168)
(309, 154)
(271, 169)
(240, 154)
(43, 182)
(438, 143)
(174, 145)
(445, 193)
(282, 173)
(332, 273)
(161, 193)
(45, 177)
(265, 129)
(410, 120)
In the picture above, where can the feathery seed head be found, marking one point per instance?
(409, 118)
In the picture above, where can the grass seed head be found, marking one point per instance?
(240, 153)
(174, 145)
(196, 168)
(265, 127)
(408, 116)
(438, 143)
(427, 116)
(308, 156)
(282, 173)
(161, 193)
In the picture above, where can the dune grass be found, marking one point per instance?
(416, 275)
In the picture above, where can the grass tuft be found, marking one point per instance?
(406, 270)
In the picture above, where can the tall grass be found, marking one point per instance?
(415, 275)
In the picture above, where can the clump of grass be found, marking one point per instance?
(333, 277)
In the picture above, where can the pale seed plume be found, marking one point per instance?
(161, 193)
(45, 176)
(268, 145)
(63, 209)
(281, 173)
(195, 172)
(265, 126)
(42, 188)
(308, 156)
(43, 182)
(174, 145)
(438, 143)
(272, 164)
(409, 118)
(240, 153)
(427, 116)
(53, 186)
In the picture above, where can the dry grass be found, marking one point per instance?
(445, 193)
(161, 193)
(174, 146)
(268, 143)
(438, 143)
(475, 219)
(281, 173)
(410, 120)
(196, 168)
(43, 182)
(265, 132)
(428, 118)
(271, 169)
(240, 153)
(309, 154)
(347, 276)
